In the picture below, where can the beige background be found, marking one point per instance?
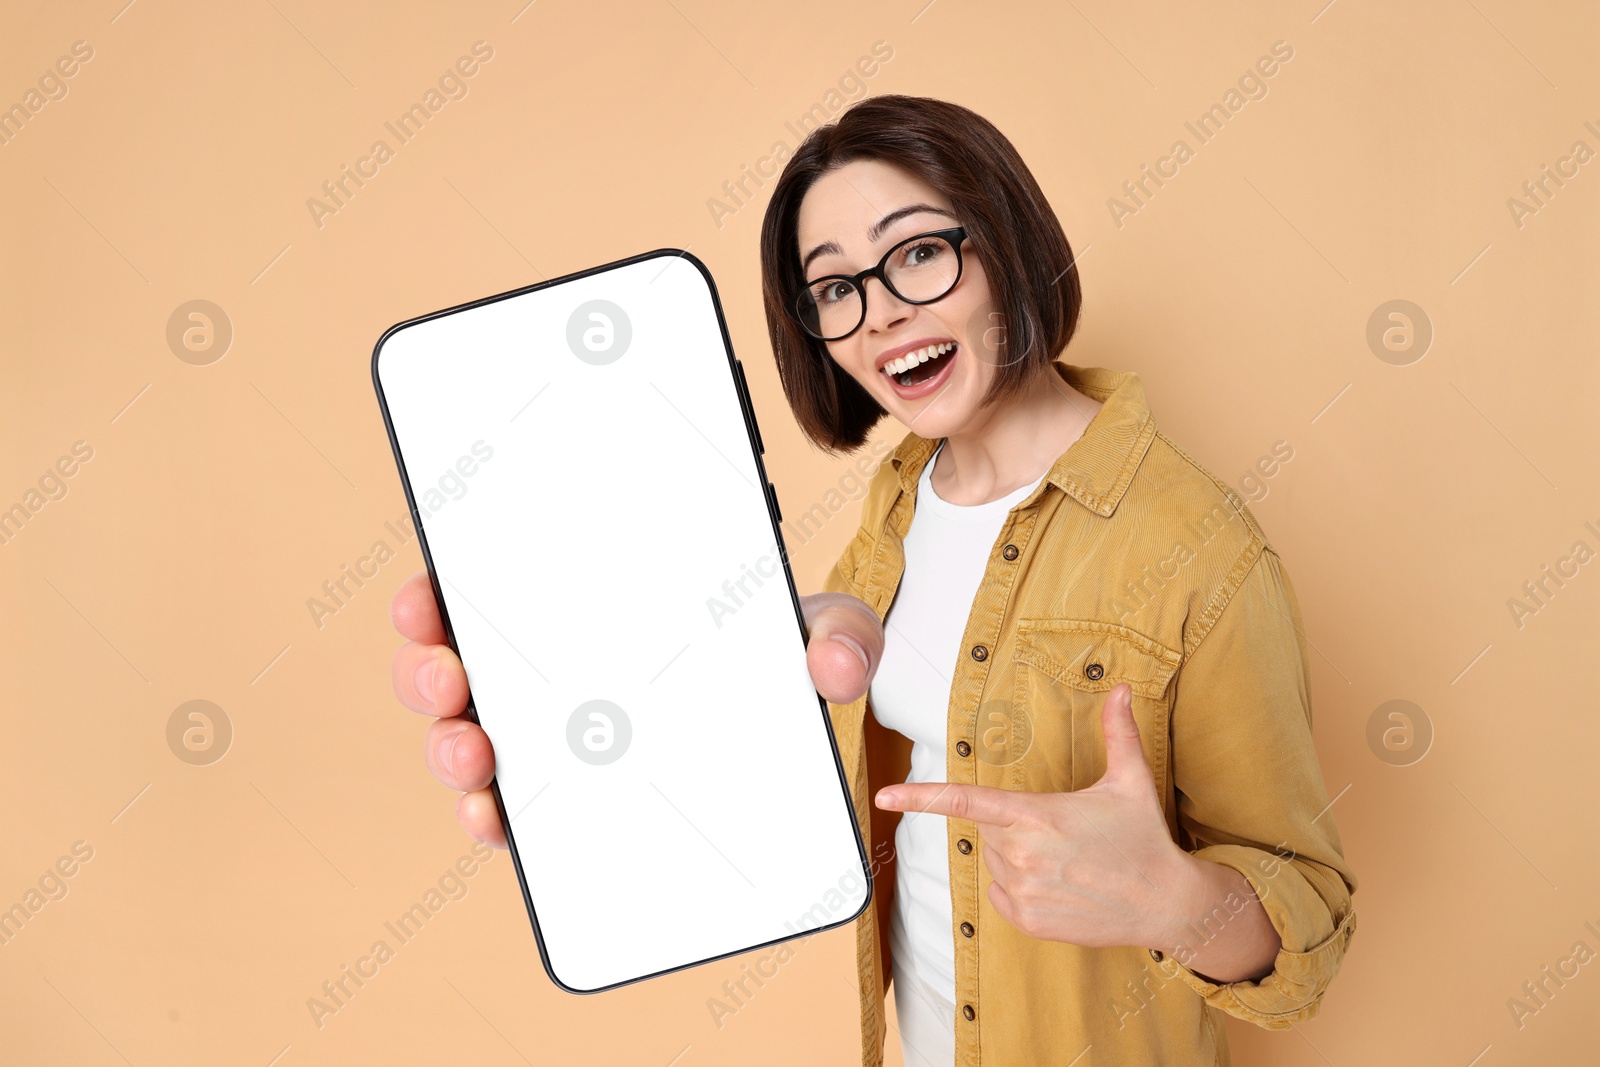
(219, 498)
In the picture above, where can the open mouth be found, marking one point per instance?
(914, 372)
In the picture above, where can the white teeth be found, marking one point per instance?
(912, 359)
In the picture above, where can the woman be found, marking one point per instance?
(1083, 656)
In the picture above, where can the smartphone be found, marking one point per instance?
(583, 466)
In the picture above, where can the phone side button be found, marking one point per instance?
(749, 405)
(772, 491)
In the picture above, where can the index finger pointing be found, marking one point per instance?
(975, 803)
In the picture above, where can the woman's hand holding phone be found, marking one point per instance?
(845, 648)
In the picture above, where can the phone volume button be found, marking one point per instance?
(772, 491)
(749, 405)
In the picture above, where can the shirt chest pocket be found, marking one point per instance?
(1064, 668)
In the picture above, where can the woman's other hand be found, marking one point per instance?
(845, 649)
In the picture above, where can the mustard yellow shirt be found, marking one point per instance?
(1130, 563)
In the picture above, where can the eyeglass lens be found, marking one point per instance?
(921, 271)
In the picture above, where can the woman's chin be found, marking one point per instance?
(936, 416)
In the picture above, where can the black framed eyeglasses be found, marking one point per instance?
(918, 270)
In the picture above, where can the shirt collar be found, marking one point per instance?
(1098, 467)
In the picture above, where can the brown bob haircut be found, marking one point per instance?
(1009, 223)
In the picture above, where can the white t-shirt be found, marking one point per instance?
(946, 550)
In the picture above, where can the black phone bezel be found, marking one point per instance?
(769, 495)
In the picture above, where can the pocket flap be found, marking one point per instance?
(1092, 655)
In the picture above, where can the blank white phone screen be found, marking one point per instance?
(596, 518)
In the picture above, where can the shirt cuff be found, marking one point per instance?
(1313, 943)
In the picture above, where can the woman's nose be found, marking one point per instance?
(884, 309)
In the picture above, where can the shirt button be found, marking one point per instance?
(968, 1012)
(1155, 954)
(964, 846)
(1094, 671)
(980, 653)
(1010, 552)
(966, 929)
(963, 749)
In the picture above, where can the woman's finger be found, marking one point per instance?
(480, 818)
(846, 644)
(415, 612)
(429, 679)
(459, 754)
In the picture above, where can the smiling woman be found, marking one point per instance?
(1073, 800)
(1074, 792)
(1033, 290)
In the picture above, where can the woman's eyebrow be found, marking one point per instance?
(873, 232)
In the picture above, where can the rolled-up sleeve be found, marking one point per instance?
(1250, 792)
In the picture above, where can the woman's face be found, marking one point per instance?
(858, 212)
